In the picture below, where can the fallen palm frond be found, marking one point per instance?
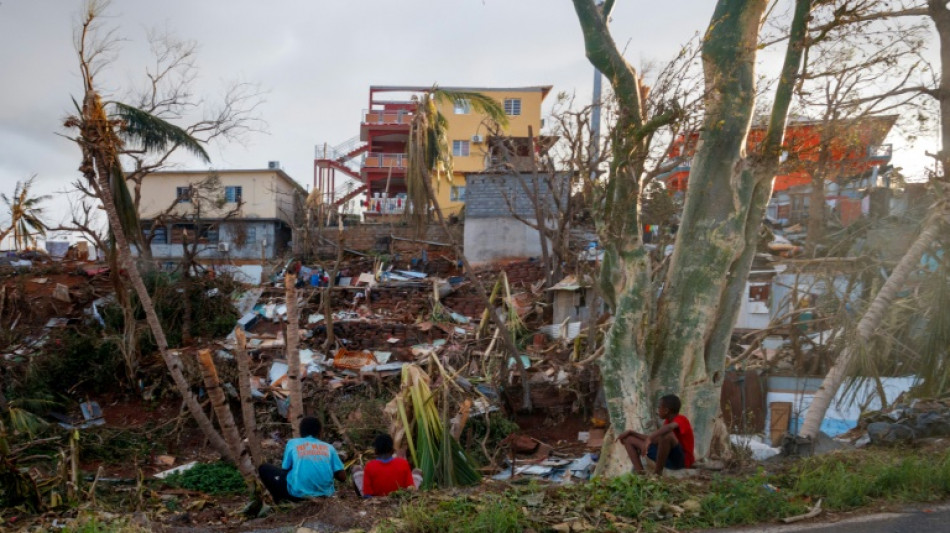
(431, 446)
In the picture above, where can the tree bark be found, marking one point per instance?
(219, 401)
(247, 399)
(816, 205)
(625, 271)
(681, 346)
(689, 358)
(869, 323)
(295, 413)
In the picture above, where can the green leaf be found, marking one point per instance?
(154, 134)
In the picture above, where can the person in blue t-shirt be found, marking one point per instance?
(309, 468)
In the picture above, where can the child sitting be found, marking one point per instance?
(671, 446)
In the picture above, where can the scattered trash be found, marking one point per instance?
(91, 413)
(247, 321)
(569, 331)
(178, 469)
(353, 360)
(164, 460)
(525, 360)
(61, 293)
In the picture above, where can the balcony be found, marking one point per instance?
(380, 160)
(386, 206)
(384, 117)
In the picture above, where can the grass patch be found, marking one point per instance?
(843, 481)
(485, 512)
(210, 478)
(854, 479)
(93, 524)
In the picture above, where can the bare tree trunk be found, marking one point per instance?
(172, 359)
(247, 399)
(816, 203)
(295, 414)
(327, 299)
(222, 411)
(870, 321)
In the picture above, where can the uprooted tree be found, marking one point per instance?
(678, 342)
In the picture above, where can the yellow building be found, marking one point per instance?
(233, 214)
(384, 134)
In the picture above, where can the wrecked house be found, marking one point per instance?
(575, 301)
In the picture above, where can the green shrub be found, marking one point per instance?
(210, 478)
(498, 427)
(70, 357)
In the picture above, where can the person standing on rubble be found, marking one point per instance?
(671, 446)
(309, 468)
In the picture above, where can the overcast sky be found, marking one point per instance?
(315, 59)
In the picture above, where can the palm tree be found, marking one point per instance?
(25, 214)
(429, 153)
(428, 148)
(102, 138)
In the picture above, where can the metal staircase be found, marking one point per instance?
(328, 160)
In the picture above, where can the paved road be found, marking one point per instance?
(912, 520)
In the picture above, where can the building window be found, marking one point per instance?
(232, 194)
(250, 235)
(463, 107)
(457, 194)
(460, 148)
(209, 234)
(158, 234)
(183, 194)
(182, 233)
(512, 106)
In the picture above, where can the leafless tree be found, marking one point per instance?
(168, 92)
(852, 73)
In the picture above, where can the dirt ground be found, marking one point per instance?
(29, 303)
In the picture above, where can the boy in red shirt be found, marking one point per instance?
(386, 473)
(671, 446)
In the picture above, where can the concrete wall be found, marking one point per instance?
(564, 308)
(753, 314)
(490, 239)
(491, 231)
(844, 411)
(377, 237)
(461, 127)
(267, 194)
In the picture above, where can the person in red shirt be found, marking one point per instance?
(671, 446)
(387, 473)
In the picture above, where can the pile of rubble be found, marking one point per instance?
(908, 422)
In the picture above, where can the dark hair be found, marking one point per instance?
(310, 427)
(383, 444)
(672, 402)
